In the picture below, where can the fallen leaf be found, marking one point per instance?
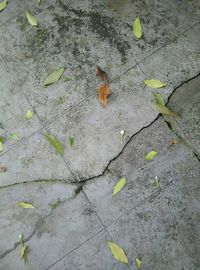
(23, 253)
(137, 29)
(2, 139)
(157, 183)
(120, 184)
(138, 263)
(14, 136)
(154, 83)
(54, 76)
(3, 5)
(66, 79)
(1, 147)
(151, 155)
(101, 74)
(173, 141)
(164, 110)
(31, 19)
(54, 205)
(103, 93)
(29, 114)
(25, 205)
(59, 147)
(159, 99)
(3, 169)
(118, 252)
(71, 141)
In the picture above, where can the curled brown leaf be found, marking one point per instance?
(101, 74)
(103, 93)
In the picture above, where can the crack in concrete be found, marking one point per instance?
(43, 218)
(39, 223)
(84, 181)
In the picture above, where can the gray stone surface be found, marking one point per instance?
(187, 124)
(158, 224)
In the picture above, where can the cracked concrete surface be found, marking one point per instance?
(160, 225)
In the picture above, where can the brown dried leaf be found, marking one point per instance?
(3, 169)
(173, 141)
(101, 74)
(103, 93)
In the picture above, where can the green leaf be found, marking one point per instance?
(39, 2)
(1, 147)
(66, 79)
(120, 184)
(25, 205)
(137, 29)
(29, 114)
(54, 76)
(14, 136)
(118, 252)
(23, 253)
(31, 19)
(154, 83)
(59, 147)
(54, 205)
(151, 155)
(164, 110)
(159, 99)
(2, 139)
(71, 141)
(138, 263)
(3, 5)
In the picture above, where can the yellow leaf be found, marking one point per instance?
(120, 184)
(25, 205)
(31, 19)
(137, 29)
(138, 263)
(29, 114)
(54, 76)
(164, 110)
(3, 5)
(151, 155)
(154, 83)
(23, 253)
(1, 147)
(117, 252)
(103, 93)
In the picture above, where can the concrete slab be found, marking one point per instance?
(94, 254)
(52, 240)
(186, 102)
(13, 118)
(15, 220)
(171, 163)
(33, 159)
(160, 224)
(175, 63)
(96, 129)
(165, 229)
(162, 22)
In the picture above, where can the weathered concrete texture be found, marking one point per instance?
(158, 224)
(187, 124)
(97, 129)
(70, 225)
(33, 159)
(176, 62)
(94, 254)
(170, 165)
(15, 220)
(165, 232)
